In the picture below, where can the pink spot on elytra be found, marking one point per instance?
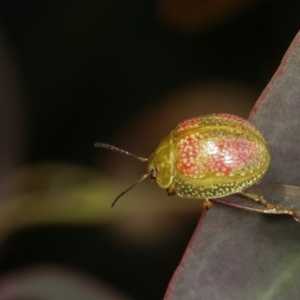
(188, 153)
(188, 124)
(231, 156)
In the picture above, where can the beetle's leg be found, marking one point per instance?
(171, 191)
(258, 198)
(207, 204)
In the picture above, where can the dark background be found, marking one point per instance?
(88, 67)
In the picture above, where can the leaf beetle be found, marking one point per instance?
(206, 157)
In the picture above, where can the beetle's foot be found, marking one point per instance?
(259, 198)
(207, 204)
(171, 191)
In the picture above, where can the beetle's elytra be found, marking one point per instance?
(207, 157)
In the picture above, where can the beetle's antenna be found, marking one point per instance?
(129, 188)
(116, 149)
(122, 151)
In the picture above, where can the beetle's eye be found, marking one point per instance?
(152, 174)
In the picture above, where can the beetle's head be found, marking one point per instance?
(160, 164)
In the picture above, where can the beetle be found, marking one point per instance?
(206, 157)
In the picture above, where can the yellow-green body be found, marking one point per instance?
(209, 156)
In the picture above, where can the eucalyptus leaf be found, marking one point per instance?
(235, 254)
